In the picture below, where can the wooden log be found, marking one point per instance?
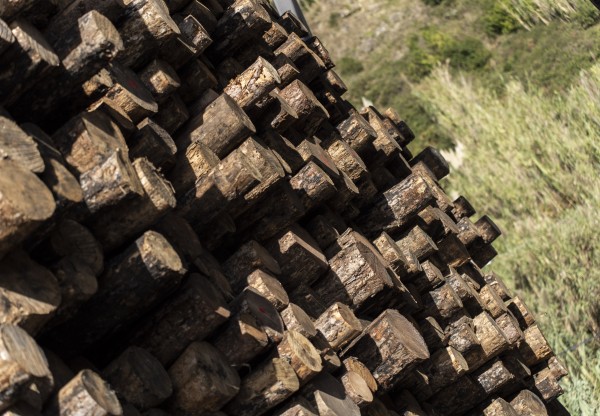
(131, 95)
(253, 303)
(298, 256)
(510, 327)
(436, 223)
(198, 304)
(483, 255)
(21, 215)
(134, 281)
(269, 287)
(499, 407)
(496, 283)
(492, 340)
(298, 406)
(243, 19)
(313, 185)
(338, 325)
(30, 56)
(445, 367)
(286, 69)
(328, 396)
(115, 227)
(116, 114)
(241, 340)
(356, 273)
(557, 367)
(491, 302)
(160, 79)
(292, 24)
(194, 32)
(418, 242)
(61, 372)
(63, 185)
(192, 164)
(196, 78)
(269, 167)
(253, 84)
(433, 333)
(264, 388)
(277, 114)
(495, 377)
(139, 378)
(434, 160)
(470, 299)
(77, 283)
(357, 132)
(87, 140)
(296, 319)
(145, 26)
(17, 145)
(520, 310)
(29, 292)
(356, 388)
(354, 365)
(429, 278)
(86, 393)
(307, 61)
(390, 347)
(442, 303)
(6, 36)
(534, 349)
(275, 36)
(203, 380)
(462, 208)
(155, 143)
(527, 403)
(23, 366)
(310, 111)
(397, 206)
(301, 354)
(219, 190)
(113, 181)
(546, 385)
(245, 260)
(488, 229)
(22, 409)
(221, 127)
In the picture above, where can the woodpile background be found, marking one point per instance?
(194, 221)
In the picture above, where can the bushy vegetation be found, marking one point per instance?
(533, 162)
(532, 12)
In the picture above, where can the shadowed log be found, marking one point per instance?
(241, 340)
(296, 319)
(269, 287)
(86, 393)
(264, 388)
(19, 146)
(527, 403)
(245, 260)
(139, 378)
(356, 388)
(192, 314)
(328, 396)
(203, 380)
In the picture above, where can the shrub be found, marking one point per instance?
(349, 66)
(498, 21)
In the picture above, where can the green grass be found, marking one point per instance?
(533, 12)
(532, 161)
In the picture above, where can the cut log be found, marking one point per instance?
(301, 354)
(269, 287)
(87, 140)
(109, 183)
(145, 25)
(390, 346)
(264, 388)
(534, 349)
(495, 378)
(499, 407)
(116, 114)
(77, 283)
(429, 278)
(160, 79)
(221, 127)
(354, 365)
(192, 164)
(397, 206)
(25, 204)
(155, 143)
(86, 393)
(488, 229)
(130, 94)
(309, 110)
(298, 256)
(29, 293)
(308, 62)
(418, 242)
(253, 303)
(23, 366)
(546, 385)
(19, 146)
(134, 281)
(434, 160)
(520, 311)
(6, 36)
(245, 260)
(241, 340)
(328, 396)
(219, 190)
(445, 367)
(139, 378)
(436, 223)
(30, 56)
(527, 403)
(433, 333)
(203, 380)
(115, 227)
(299, 406)
(253, 84)
(192, 314)
(195, 33)
(498, 286)
(196, 78)
(491, 302)
(356, 388)
(338, 325)
(442, 303)
(296, 319)
(462, 208)
(275, 36)
(172, 114)
(491, 338)
(467, 294)
(510, 327)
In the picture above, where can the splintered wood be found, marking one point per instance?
(195, 221)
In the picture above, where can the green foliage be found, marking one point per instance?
(433, 2)
(532, 12)
(431, 46)
(497, 20)
(349, 65)
(532, 161)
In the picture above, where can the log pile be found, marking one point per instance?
(195, 221)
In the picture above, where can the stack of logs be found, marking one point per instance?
(194, 221)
